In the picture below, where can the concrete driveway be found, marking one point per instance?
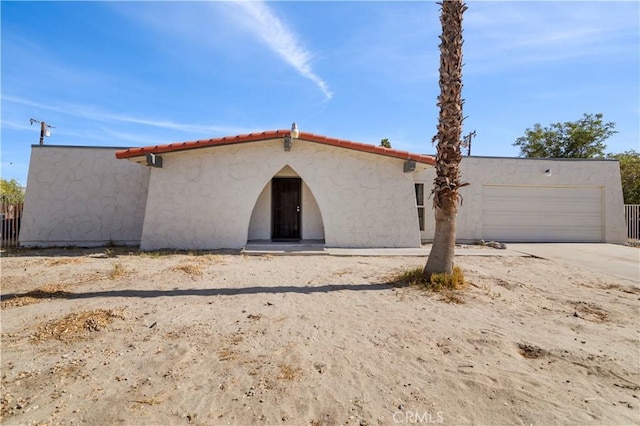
(611, 259)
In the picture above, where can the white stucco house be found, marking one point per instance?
(226, 192)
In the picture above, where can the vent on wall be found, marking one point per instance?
(154, 160)
(409, 166)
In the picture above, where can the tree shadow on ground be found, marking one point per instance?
(144, 294)
(106, 252)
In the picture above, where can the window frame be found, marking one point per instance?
(419, 190)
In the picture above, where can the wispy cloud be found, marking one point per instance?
(91, 113)
(110, 134)
(172, 125)
(234, 21)
(8, 124)
(272, 31)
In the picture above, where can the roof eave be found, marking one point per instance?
(138, 153)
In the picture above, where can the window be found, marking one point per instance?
(420, 204)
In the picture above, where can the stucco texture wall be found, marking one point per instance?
(204, 198)
(482, 171)
(79, 196)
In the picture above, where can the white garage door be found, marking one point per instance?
(542, 213)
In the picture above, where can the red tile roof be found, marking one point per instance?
(273, 134)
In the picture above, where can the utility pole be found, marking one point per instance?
(466, 141)
(44, 129)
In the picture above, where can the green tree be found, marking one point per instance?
(583, 138)
(11, 191)
(385, 143)
(448, 157)
(629, 174)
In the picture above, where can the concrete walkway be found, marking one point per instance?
(461, 250)
(320, 249)
(611, 259)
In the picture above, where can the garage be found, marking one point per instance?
(542, 213)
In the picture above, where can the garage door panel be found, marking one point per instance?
(542, 191)
(520, 213)
(525, 207)
(553, 234)
(529, 219)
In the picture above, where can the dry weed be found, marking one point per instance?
(118, 271)
(236, 339)
(487, 290)
(590, 311)
(624, 289)
(213, 258)
(531, 351)
(455, 281)
(151, 401)
(77, 326)
(289, 373)
(47, 292)
(189, 268)
(66, 261)
(154, 254)
(451, 297)
(226, 354)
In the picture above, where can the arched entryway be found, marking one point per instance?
(286, 210)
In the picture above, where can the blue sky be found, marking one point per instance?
(147, 73)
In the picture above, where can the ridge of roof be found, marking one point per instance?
(272, 134)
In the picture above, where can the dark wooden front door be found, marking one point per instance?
(286, 195)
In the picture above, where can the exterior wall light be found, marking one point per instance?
(295, 133)
(547, 172)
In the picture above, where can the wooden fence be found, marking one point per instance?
(10, 214)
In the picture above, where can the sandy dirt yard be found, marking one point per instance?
(106, 336)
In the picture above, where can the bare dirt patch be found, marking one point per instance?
(222, 338)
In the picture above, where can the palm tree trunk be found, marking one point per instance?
(447, 181)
